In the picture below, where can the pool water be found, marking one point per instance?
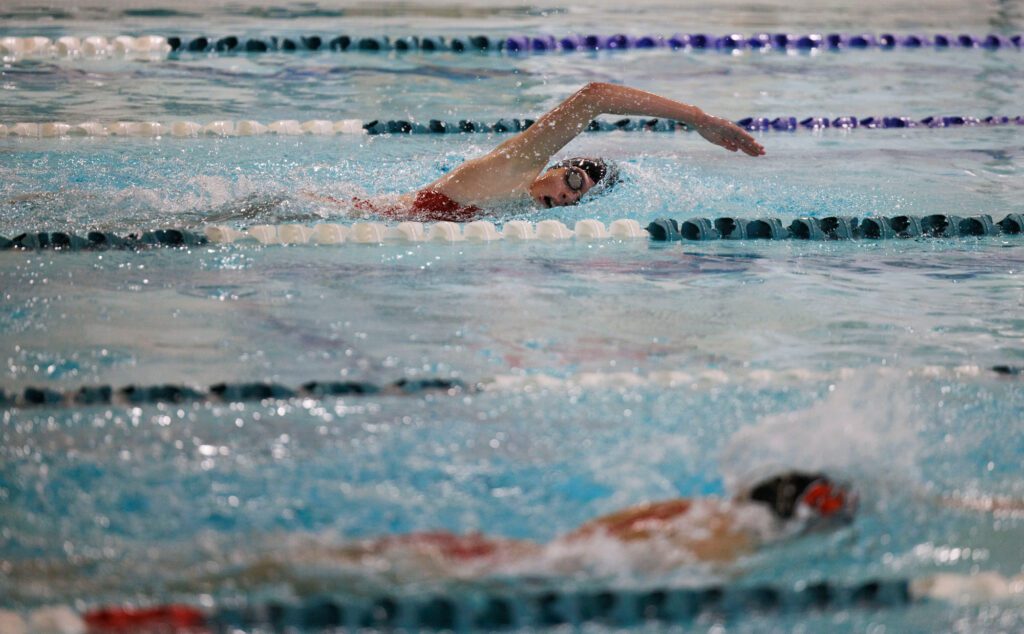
(868, 359)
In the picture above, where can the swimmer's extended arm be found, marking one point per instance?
(515, 163)
(711, 534)
(556, 128)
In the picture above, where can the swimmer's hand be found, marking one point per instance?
(728, 135)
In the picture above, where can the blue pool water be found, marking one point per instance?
(868, 359)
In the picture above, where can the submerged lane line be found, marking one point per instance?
(491, 610)
(526, 383)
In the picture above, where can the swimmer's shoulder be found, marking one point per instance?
(637, 521)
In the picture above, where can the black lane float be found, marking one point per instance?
(102, 240)
(131, 395)
(551, 608)
(835, 228)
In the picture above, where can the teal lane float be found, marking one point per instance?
(835, 228)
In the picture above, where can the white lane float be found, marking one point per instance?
(479, 231)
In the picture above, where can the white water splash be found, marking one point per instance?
(864, 429)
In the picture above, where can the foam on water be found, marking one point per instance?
(871, 441)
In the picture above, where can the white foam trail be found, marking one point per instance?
(865, 426)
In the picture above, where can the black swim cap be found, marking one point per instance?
(604, 173)
(783, 492)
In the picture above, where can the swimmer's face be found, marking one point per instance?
(560, 186)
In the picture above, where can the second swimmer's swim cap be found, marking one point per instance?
(825, 498)
(785, 493)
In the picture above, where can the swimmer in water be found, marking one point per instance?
(515, 170)
(655, 537)
(660, 536)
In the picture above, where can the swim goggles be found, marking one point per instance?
(574, 178)
(826, 499)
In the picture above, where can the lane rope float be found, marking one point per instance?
(220, 392)
(133, 395)
(236, 392)
(102, 240)
(375, 127)
(163, 46)
(836, 228)
(328, 234)
(496, 610)
(483, 231)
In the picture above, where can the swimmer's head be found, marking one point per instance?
(801, 495)
(565, 182)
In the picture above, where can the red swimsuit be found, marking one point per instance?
(430, 206)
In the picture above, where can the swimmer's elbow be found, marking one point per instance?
(598, 97)
(595, 89)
